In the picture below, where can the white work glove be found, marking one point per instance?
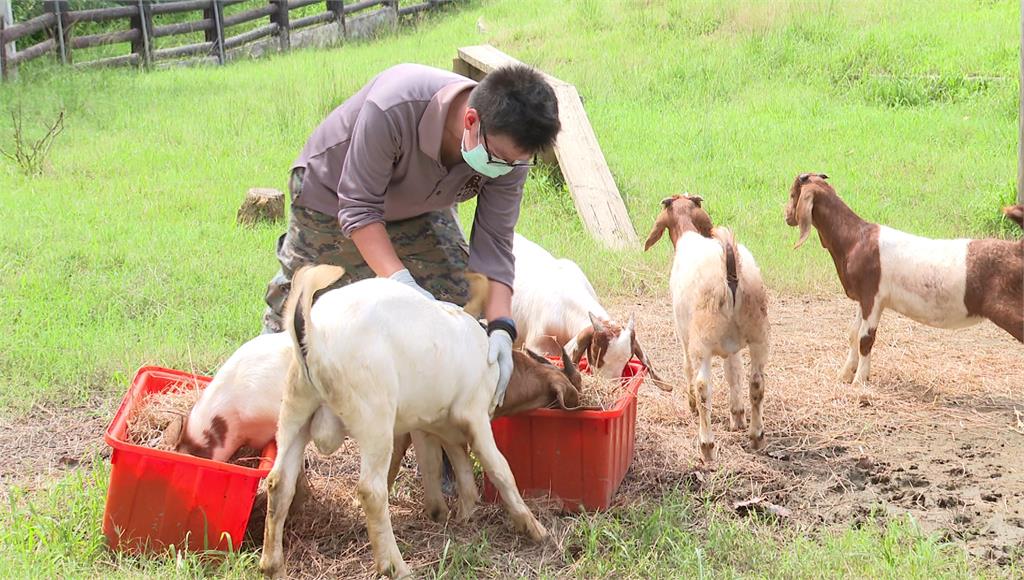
(406, 278)
(500, 351)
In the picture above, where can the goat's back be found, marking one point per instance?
(378, 342)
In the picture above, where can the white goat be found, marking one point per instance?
(386, 361)
(720, 308)
(941, 283)
(554, 306)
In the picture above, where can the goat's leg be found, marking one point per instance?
(428, 457)
(702, 392)
(850, 366)
(734, 378)
(292, 437)
(758, 357)
(464, 482)
(866, 342)
(688, 377)
(376, 442)
(497, 469)
(401, 446)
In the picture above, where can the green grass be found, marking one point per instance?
(57, 534)
(125, 252)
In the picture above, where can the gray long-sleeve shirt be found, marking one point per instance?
(376, 158)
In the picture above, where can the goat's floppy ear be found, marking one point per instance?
(804, 207)
(659, 228)
(1015, 213)
(571, 372)
(639, 353)
(174, 432)
(583, 340)
(479, 290)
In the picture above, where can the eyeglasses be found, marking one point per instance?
(495, 161)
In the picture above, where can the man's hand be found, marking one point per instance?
(500, 351)
(406, 278)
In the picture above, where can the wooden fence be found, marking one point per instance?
(271, 27)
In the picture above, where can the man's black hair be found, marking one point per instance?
(517, 102)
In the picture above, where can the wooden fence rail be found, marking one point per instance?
(277, 29)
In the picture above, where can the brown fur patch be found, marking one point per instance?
(867, 342)
(851, 241)
(536, 384)
(995, 283)
(680, 214)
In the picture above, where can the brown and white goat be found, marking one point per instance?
(385, 360)
(720, 308)
(941, 283)
(555, 306)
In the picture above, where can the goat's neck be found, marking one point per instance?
(679, 227)
(839, 228)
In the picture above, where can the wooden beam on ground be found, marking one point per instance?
(577, 151)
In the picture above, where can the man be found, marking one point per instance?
(375, 187)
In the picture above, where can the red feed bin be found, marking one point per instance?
(576, 457)
(159, 498)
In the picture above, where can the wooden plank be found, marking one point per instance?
(143, 22)
(247, 37)
(413, 9)
(30, 26)
(91, 40)
(577, 151)
(314, 19)
(189, 6)
(357, 6)
(293, 4)
(129, 59)
(102, 14)
(247, 15)
(586, 172)
(32, 52)
(181, 27)
(5, 47)
(203, 48)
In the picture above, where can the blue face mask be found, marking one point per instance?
(477, 159)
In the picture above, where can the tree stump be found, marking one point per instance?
(261, 204)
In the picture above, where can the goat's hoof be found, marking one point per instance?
(758, 442)
(272, 568)
(708, 452)
(393, 568)
(739, 421)
(535, 530)
(464, 513)
(846, 374)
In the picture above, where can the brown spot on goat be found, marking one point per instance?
(867, 341)
(213, 437)
(851, 241)
(995, 283)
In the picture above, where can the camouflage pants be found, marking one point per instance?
(431, 246)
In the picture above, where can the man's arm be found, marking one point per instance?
(375, 246)
(499, 301)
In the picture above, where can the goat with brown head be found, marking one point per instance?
(609, 346)
(679, 214)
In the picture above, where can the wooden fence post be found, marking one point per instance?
(338, 8)
(281, 19)
(216, 36)
(3, 47)
(143, 22)
(61, 33)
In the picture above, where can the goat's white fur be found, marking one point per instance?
(708, 324)
(387, 361)
(552, 300)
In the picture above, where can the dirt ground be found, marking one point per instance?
(938, 434)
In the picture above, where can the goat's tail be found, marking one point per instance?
(306, 282)
(1015, 213)
(479, 291)
(728, 241)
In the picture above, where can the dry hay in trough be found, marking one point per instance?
(149, 422)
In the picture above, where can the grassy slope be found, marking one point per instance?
(124, 253)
